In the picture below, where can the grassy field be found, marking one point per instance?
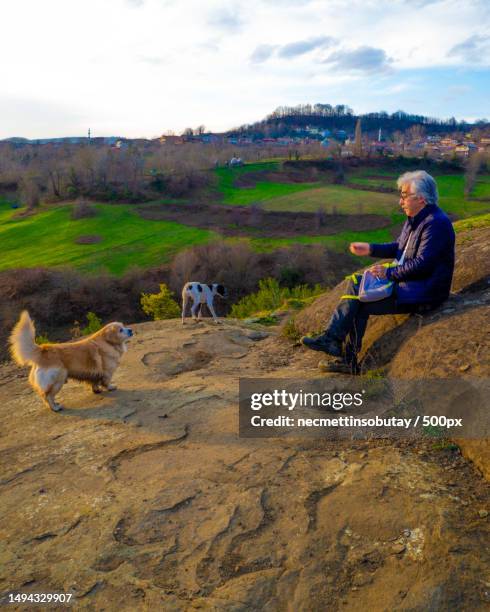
(356, 201)
(48, 239)
(482, 187)
(261, 191)
(472, 223)
(338, 242)
(336, 197)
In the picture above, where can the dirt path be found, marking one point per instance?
(146, 499)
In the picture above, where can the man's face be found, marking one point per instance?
(411, 204)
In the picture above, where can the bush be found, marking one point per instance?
(160, 305)
(271, 296)
(93, 324)
(290, 331)
(42, 339)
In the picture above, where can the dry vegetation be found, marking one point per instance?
(137, 172)
(58, 297)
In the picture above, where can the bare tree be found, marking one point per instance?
(30, 195)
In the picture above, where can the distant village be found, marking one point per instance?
(336, 143)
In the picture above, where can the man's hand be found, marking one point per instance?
(378, 270)
(359, 248)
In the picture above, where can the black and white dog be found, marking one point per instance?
(201, 294)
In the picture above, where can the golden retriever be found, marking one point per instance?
(92, 360)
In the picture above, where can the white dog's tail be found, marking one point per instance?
(23, 345)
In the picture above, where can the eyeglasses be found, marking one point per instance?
(405, 196)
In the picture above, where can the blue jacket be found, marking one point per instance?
(427, 271)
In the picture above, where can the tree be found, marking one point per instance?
(358, 139)
(29, 193)
(472, 169)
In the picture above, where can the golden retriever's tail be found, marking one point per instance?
(23, 347)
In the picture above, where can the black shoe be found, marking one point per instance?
(324, 343)
(340, 366)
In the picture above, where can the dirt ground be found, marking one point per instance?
(147, 499)
(247, 220)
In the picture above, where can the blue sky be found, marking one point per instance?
(144, 67)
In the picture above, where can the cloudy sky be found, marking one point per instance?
(143, 67)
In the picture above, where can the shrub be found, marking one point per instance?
(290, 276)
(271, 296)
(160, 305)
(290, 331)
(93, 324)
(267, 320)
(42, 339)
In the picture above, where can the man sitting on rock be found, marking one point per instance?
(421, 282)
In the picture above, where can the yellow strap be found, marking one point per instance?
(349, 297)
(353, 278)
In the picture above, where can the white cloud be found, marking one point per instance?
(362, 59)
(472, 50)
(138, 67)
(300, 47)
(262, 53)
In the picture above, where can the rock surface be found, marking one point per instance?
(147, 499)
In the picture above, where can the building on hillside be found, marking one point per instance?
(465, 148)
(448, 142)
(167, 140)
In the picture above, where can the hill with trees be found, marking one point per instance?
(288, 120)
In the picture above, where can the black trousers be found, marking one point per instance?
(349, 320)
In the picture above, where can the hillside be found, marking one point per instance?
(268, 204)
(451, 342)
(146, 498)
(287, 120)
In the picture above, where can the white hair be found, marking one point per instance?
(421, 184)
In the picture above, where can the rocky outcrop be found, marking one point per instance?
(146, 498)
(453, 341)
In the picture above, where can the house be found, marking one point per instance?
(167, 140)
(465, 148)
(209, 138)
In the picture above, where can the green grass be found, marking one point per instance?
(337, 242)
(482, 187)
(472, 223)
(452, 200)
(343, 199)
(262, 190)
(450, 186)
(372, 177)
(48, 239)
